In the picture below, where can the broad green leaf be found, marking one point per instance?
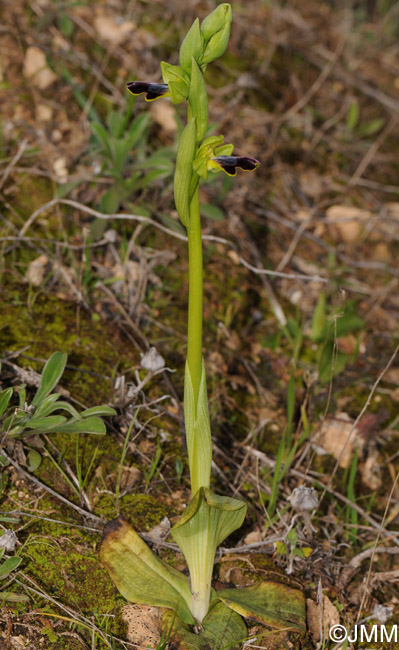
(86, 425)
(102, 136)
(137, 129)
(198, 99)
(140, 575)
(349, 322)
(21, 390)
(223, 629)
(99, 411)
(9, 520)
(319, 319)
(10, 565)
(212, 212)
(183, 173)
(352, 116)
(51, 375)
(110, 200)
(5, 397)
(198, 431)
(370, 128)
(272, 603)
(328, 358)
(14, 598)
(34, 460)
(115, 123)
(205, 523)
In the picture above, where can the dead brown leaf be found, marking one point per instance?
(143, 623)
(37, 270)
(321, 618)
(337, 437)
(111, 29)
(36, 69)
(346, 223)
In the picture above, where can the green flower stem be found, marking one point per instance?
(195, 292)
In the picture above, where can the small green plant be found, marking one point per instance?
(43, 414)
(113, 146)
(203, 618)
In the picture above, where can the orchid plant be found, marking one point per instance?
(199, 617)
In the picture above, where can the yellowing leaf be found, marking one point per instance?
(272, 603)
(140, 575)
(222, 629)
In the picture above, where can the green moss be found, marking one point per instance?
(44, 324)
(76, 577)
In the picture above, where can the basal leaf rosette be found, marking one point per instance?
(221, 628)
(206, 522)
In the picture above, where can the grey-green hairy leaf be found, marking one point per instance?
(5, 397)
(99, 411)
(86, 425)
(52, 372)
(10, 565)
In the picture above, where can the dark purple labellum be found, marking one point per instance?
(152, 91)
(230, 163)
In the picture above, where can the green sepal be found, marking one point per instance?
(205, 523)
(210, 148)
(271, 603)
(177, 80)
(216, 31)
(183, 173)
(222, 628)
(140, 575)
(198, 431)
(224, 150)
(192, 46)
(198, 99)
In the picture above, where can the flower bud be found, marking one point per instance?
(216, 32)
(192, 46)
(216, 21)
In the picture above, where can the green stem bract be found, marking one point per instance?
(194, 330)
